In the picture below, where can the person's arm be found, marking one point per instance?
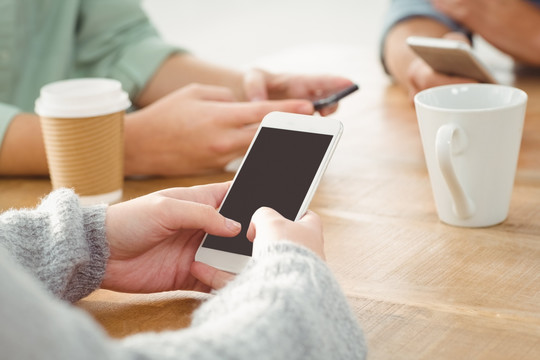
(61, 243)
(196, 129)
(404, 13)
(180, 70)
(405, 18)
(113, 39)
(21, 145)
(511, 26)
(56, 250)
(22, 151)
(285, 305)
(397, 55)
(116, 39)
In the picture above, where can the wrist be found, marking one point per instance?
(22, 150)
(134, 139)
(95, 232)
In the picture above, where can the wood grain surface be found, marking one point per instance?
(421, 289)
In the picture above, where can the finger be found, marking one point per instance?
(210, 194)
(248, 113)
(236, 142)
(251, 232)
(180, 214)
(265, 213)
(326, 85)
(210, 276)
(456, 35)
(260, 217)
(311, 219)
(439, 79)
(210, 92)
(255, 85)
(328, 109)
(412, 93)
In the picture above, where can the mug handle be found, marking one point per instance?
(452, 140)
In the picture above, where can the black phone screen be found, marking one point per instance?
(277, 173)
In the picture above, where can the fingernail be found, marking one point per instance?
(232, 225)
(256, 98)
(306, 108)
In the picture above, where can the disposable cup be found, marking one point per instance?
(82, 123)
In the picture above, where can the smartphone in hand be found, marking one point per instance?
(334, 98)
(451, 57)
(281, 170)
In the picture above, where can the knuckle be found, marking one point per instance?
(223, 145)
(193, 88)
(205, 209)
(158, 206)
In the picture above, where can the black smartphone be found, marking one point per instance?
(281, 170)
(334, 98)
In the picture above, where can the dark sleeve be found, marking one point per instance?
(400, 10)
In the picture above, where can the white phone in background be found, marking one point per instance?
(451, 57)
(281, 170)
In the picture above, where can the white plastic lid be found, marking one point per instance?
(78, 98)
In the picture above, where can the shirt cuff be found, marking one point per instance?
(94, 230)
(409, 10)
(7, 113)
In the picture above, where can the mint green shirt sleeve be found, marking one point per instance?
(46, 41)
(117, 40)
(7, 113)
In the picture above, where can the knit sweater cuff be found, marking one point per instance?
(79, 243)
(92, 275)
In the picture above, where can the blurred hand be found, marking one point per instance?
(196, 129)
(509, 25)
(153, 239)
(267, 225)
(485, 16)
(421, 76)
(262, 85)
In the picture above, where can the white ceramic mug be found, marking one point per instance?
(471, 135)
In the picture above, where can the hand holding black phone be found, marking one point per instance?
(334, 98)
(451, 57)
(281, 170)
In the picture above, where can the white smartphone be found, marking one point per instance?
(451, 57)
(281, 170)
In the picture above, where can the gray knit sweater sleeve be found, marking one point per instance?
(285, 305)
(60, 243)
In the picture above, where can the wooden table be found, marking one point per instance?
(421, 289)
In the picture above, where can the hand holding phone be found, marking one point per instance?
(451, 57)
(334, 98)
(281, 170)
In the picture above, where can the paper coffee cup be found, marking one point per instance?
(82, 123)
